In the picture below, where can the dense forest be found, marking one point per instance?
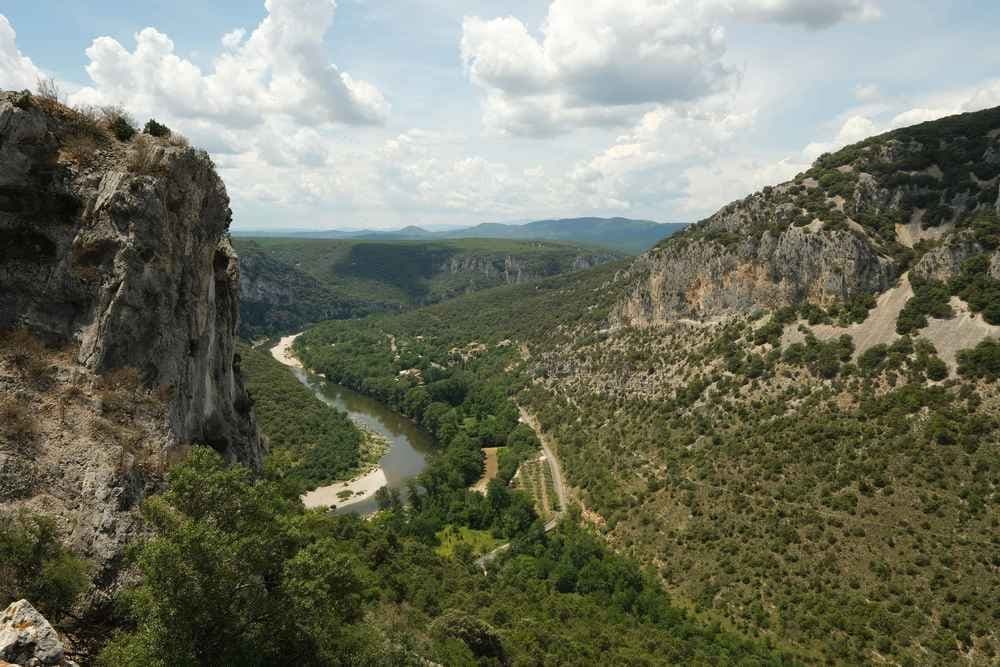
(319, 443)
(237, 573)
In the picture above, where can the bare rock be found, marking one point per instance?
(28, 640)
(944, 262)
(131, 263)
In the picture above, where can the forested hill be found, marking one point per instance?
(630, 236)
(620, 234)
(288, 283)
(789, 411)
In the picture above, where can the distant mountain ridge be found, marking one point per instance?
(626, 235)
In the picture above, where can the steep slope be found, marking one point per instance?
(288, 283)
(120, 290)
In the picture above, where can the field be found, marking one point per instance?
(476, 542)
(535, 479)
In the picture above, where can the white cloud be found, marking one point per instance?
(711, 186)
(17, 72)
(231, 40)
(598, 63)
(813, 14)
(606, 62)
(854, 129)
(280, 69)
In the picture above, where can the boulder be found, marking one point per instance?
(28, 640)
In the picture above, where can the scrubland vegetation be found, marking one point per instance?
(837, 504)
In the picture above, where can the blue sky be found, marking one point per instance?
(380, 114)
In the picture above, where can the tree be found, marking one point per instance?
(231, 562)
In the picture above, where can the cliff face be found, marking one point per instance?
(122, 252)
(513, 270)
(848, 227)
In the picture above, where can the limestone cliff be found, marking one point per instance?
(848, 227)
(121, 250)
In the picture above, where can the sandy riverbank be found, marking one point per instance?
(360, 489)
(283, 351)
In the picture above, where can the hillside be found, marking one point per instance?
(773, 409)
(287, 283)
(620, 234)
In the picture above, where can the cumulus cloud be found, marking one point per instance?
(813, 14)
(280, 69)
(596, 63)
(859, 127)
(605, 62)
(17, 72)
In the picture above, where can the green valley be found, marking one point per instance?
(287, 283)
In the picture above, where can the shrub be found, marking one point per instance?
(156, 129)
(48, 90)
(930, 299)
(146, 156)
(975, 286)
(34, 565)
(79, 149)
(17, 423)
(981, 362)
(26, 354)
(118, 122)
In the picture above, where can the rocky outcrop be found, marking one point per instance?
(28, 640)
(707, 278)
(123, 252)
(843, 229)
(944, 262)
(512, 270)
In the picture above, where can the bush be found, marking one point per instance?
(79, 149)
(34, 565)
(981, 362)
(17, 424)
(118, 122)
(26, 354)
(975, 286)
(48, 90)
(930, 299)
(156, 129)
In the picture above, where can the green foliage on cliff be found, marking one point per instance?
(322, 442)
(981, 362)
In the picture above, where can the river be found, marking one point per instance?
(409, 445)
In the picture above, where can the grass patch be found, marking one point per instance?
(453, 541)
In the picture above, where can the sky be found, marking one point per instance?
(376, 114)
